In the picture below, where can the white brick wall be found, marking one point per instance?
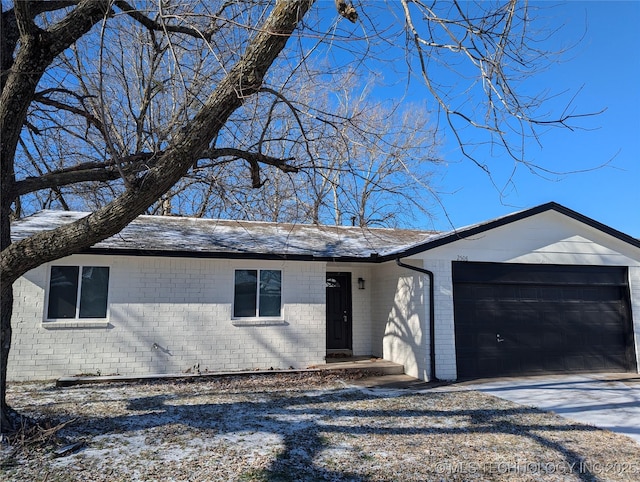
(183, 306)
(400, 310)
(445, 330)
(549, 238)
(362, 314)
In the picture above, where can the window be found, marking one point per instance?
(257, 293)
(78, 292)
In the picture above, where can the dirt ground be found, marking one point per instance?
(300, 427)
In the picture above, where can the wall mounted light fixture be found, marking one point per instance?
(360, 283)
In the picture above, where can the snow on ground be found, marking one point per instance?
(304, 427)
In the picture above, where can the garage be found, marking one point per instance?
(527, 319)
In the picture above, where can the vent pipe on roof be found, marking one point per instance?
(432, 322)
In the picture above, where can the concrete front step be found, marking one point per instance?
(369, 365)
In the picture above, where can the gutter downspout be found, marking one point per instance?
(432, 322)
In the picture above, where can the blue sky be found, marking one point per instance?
(605, 65)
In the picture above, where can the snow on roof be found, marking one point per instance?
(237, 238)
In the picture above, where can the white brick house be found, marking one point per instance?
(542, 290)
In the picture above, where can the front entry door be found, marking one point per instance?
(339, 311)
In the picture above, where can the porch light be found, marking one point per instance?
(360, 283)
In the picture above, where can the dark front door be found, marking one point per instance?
(339, 311)
(517, 319)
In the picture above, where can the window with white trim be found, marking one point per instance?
(78, 292)
(257, 293)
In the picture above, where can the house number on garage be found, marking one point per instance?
(462, 258)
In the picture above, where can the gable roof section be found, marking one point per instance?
(476, 229)
(211, 238)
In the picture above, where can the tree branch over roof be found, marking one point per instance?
(242, 80)
(40, 48)
(136, 163)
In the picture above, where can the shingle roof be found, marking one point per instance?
(178, 236)
(214, 237)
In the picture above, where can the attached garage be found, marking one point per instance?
(526, 319)
(543, 290)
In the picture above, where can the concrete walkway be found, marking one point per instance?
(610, 401)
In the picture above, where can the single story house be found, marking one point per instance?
(545, 290)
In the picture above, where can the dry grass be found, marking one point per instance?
(303, 427)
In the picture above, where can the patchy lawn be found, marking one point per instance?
(302, 427)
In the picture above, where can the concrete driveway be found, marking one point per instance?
(610, 401)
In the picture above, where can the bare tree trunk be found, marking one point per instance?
(6, 309)
(6, 421)
(243, 80)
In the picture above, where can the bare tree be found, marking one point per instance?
(31, 49)
(367, 163)
(201, 77)
(382, 175)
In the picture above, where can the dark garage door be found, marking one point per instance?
(523, 319)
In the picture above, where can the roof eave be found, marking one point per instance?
(375, 258)
(225, 255)
(511, 218)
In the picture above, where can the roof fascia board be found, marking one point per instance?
(222, 255)
(511, 218)
(599, 226)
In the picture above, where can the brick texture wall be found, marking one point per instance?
(167, 315)
(549, 238)
(400, 310)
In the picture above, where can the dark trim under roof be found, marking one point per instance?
(226, 255)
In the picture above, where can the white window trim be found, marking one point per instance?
(52, 323)
(257, 320)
